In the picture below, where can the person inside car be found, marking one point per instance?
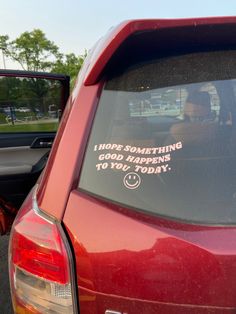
(198, 125)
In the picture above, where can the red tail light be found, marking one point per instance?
(40, 264)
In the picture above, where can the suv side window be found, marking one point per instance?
(29, 104)
(163, 139)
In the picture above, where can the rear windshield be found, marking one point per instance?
(164, 139)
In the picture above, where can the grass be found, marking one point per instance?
(29, 127)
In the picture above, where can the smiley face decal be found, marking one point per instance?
(132, 180)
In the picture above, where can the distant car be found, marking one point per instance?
(156, 106)
(10, 113)
(52, 111)
(23, 109)
(8, 109)
(135, 211)
(38, 113)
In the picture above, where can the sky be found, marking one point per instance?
(75, 25)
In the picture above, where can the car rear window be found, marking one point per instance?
(163, 139)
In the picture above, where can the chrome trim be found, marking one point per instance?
(38, 211)
(71, 268)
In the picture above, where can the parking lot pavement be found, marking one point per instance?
(5, 300)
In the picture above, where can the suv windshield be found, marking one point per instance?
(164, 138)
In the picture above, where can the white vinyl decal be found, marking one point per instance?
(134, 160)
(132, 180)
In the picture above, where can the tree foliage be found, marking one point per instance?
(69, 64)
(4, 42)
(37, 93)
(34, 52)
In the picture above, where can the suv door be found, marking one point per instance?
(27, 127)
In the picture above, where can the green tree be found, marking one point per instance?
(4, 42)
(3, 46)
(69, 64)
(32, 50)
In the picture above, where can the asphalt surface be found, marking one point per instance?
(5, 299)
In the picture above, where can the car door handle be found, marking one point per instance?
(43, 142)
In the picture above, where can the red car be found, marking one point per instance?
(135, 211)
